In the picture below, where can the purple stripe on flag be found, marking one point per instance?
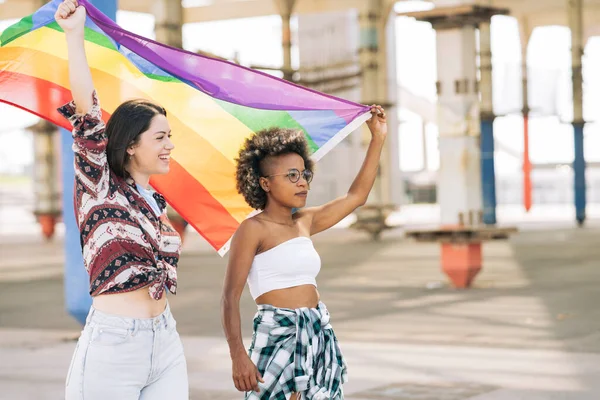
(221, 79)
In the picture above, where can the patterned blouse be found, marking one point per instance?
(125, 245)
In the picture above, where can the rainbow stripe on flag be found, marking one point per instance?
(212, 106)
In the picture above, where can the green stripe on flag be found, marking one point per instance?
(257, 119)
(163, 78)
(16, 30)
(90, 35)
(103, 40)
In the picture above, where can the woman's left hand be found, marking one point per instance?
(377, 123)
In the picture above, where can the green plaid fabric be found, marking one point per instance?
(296, 351)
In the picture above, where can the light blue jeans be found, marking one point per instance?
(127, 358)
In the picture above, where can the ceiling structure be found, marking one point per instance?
(530, 13)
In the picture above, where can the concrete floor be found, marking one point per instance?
(529, 329)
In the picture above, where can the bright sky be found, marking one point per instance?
(549, 56)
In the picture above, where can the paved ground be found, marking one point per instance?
(530, 329)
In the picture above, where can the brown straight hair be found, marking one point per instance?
(124, 128)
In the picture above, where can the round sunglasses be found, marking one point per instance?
(294, 175)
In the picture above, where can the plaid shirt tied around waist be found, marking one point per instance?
(296, 351)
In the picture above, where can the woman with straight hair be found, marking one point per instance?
(129, 348)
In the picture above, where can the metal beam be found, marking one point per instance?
(222, 10)
(554, 13)
(560, 16)
(457, 16)
(141, 6)
(17, 9)
(218, 10)
(438, 12)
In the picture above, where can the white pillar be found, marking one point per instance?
(168, 22)
(394, 174)
(286, 8)
(459, 178)
(525, 32)
(46, 177)
(577, 48)
(485, 68)
(377, 58)
(168, 25)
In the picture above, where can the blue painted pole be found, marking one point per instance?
(488, 172)
(579, 170)
(76, 280)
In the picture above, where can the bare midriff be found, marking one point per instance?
(134, 304)
(293, 297)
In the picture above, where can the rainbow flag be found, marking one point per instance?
(212, 106)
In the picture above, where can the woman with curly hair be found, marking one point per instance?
(294, 352)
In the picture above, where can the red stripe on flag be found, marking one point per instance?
(23, 91)
(201, 209)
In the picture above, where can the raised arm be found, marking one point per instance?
(84, 113)
(329, 214)
(243, 249)
(70, 16)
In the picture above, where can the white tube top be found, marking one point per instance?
(292, 263)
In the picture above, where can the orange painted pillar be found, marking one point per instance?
(461, 262)
(47, 222)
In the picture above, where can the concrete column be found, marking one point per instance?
(459, 179)
(375, 65)
(286, 8)
(488, 170)
(45, 182)
(392, 173)
(576, 25)
(45, 176)
(168, 22)
(371, 24)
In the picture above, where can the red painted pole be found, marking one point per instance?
(526, 165)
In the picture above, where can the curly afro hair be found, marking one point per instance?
(270, 142)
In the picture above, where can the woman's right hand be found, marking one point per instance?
(245, 374)
(70, 16)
